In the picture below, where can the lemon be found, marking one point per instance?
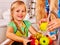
(43, 26)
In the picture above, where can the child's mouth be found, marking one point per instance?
(20, 16)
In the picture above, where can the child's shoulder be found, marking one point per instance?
(12, 24)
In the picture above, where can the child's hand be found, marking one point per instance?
(26, 41)
(54, 24)
(41, 24)
(42, 20)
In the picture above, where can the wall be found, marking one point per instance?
(4, 6)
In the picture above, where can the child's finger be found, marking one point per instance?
(44, 20)
(25, 43)
(39, 22)
(29, 40)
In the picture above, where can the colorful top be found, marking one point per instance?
(20, 31)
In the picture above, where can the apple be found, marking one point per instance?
(36, 42)
(43, 26)
(44, 40)
(32, 42)
(38, 35)
(32, 37)
(50, 40)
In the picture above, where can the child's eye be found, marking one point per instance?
(17, 10)
(23, 11)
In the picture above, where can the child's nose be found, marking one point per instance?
(20, 12)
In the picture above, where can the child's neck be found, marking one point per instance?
(18, 21)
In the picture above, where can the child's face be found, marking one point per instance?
(19, 12)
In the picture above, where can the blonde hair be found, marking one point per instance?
(16, 4)
(53, 9)
(54, 5)
(40, 10)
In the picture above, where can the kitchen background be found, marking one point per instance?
(5, 15)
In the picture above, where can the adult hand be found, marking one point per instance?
(54, 24)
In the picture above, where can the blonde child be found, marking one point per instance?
(18, 28)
